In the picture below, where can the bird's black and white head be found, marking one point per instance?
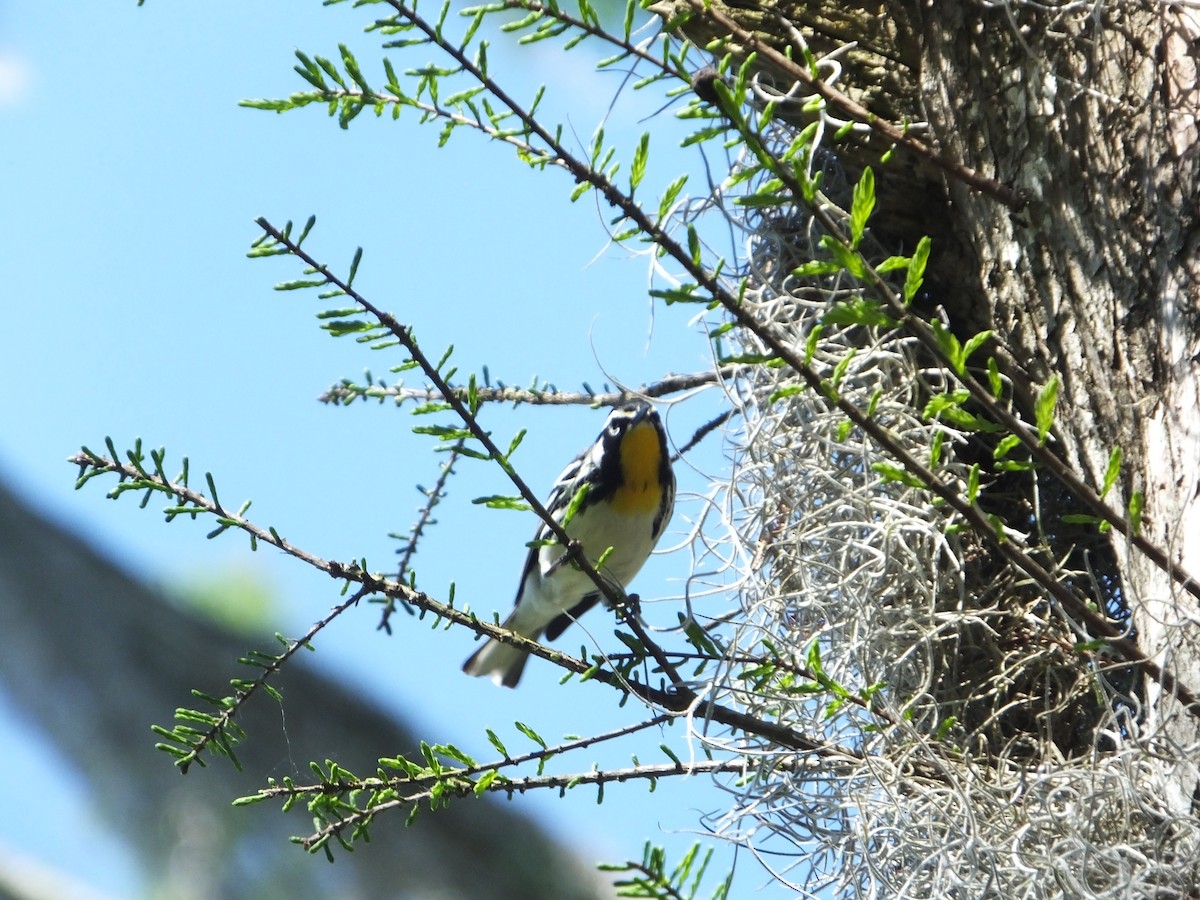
(634, 463)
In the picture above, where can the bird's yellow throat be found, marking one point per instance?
(641, 458)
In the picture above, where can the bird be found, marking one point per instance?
(629, 500)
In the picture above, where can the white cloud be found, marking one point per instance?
(15, 79)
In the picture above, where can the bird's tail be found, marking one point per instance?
(504, 663)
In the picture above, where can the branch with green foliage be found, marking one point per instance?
(344, 802)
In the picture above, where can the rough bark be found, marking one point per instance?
(1093, 281)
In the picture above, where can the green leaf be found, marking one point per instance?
(861, 206)
(522, 23)
(576, 502)
(873, 405)
(309, 72)
(300, 284)
(628, 25)
(998, 529)
(704, 134)
(948, 344)
(355, 73)
(973, 484)
(484, 782)
(531, 734)
(339, 313)
(892, 472)
(670, 195)
(915, 276)
(762, 200)
(268, 105)
(994, 380)
(935, 449)
(514, 444)
(973, 344)
(816, 267)
(308, 226)
(810, 345)
(812, 660)
(443, 432)
(250, 800)
(944, 728)
(844, 256)
(603, 558)
(1137, 504)
(349, 326)
(637, 171)
(839, 371)
(635, 646)
(452, 752)
(693, 242)
(1006, 446)
(1112, 472)
(495, 741)
(858, 311)
(497, 501)
(1015, 465)
(1044, 408)
(940, 403)
(892, 263)
(435, 764)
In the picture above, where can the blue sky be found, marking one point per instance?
(131, 310)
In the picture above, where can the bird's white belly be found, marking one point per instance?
(564, 585)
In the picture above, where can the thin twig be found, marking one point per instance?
(672, 384)
(433, 497)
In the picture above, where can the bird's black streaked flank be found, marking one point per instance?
(630, 496)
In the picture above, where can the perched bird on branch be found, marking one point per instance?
(623, 491)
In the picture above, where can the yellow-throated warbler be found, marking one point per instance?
(631, 492)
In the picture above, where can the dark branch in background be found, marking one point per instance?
(89, 650)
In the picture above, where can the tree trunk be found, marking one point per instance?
(1093, 120)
